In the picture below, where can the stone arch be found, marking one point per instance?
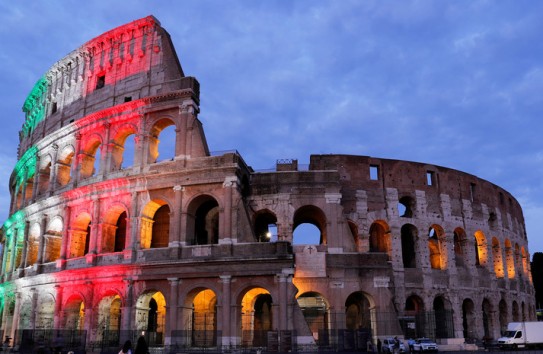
(509, 259)
(265, 222)
(380, 237)
(200, 317)
(481, 255)
(502, 316)
(409, 237)
(90, 155)
(151, 316)
(525, 262)
(357, 311)
(518, 260)
(155, 224)
(415, 313)
(74, 313)
(487, 317)
(120, 142)
(45, 312)
(64, 165)
(316, 310)
(497, 258)
(436, 247)
(256, 317)
(313, 215)
(443, 315)
(44, 171)
(25, 313)
(469, 328)
(53, 239)
(80, 235)
(203, 220)
(406, 207)
(114, 228)
(33, 244)
(154, 133)
(460, 240)
(108, 318)
(353, 228)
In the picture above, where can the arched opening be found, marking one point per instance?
(151, 317)
(525, 262)
(509, 259)
(90, 158)
(460, 240)
(497, 258)
(114, 229)
(207, 223)
(502, 308)
(409, 238)
(415, 317)
(74, 314)
(353, 228)
(25, 313)
(406, 207)
(33, 244)
(80, 235)
(53, 240)
(128, 152)
(434, 248)
(444, 325)
(468, 320)
(45, 312)
(123, 147)
(265, 226)
(64, 164)
(379, 237)
(257, 319)
(203, 321)
(316, 313)
(155, 225)
(120, 233)
(358, 319)
(44, 176)
(162, 133)
(109, 319)
(487, 319)
(309, 221)
(480, 249)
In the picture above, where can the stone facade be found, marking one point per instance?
(200, 250)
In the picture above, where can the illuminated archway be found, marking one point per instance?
(114, 229)
(379, 237)
(151, 317)
(438, 256)
(510, 259)
(256, 317)
(64, 164)
(53, 239)
(109, 319)
(156, 136)
(481, 255)
(74, 314)
(45, 312)
(202, 323)
(90, 157)
(316, 313)
(33, 244)
(155, 225)
(80, 235)
(497, 258)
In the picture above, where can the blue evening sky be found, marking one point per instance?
(452, 83)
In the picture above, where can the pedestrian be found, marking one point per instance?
(379, 345)
(396, 345)
(141, 346)
(127, 348)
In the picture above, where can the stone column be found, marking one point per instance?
(54, 170)
(133, 229)
(95, 232)
(36, 184)
(13, 247)
(89, 312)
(126, 314)
(58, 307)
(225, 233)
(226, 310)
(24, 262)
(283, 301)
(23, 192)
(175, 231)
(76, 160)
(105, 152)
(171, 323)
(33, 314)
(41, 245)
(16, 316)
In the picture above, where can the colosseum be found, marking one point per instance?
(107, 240)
